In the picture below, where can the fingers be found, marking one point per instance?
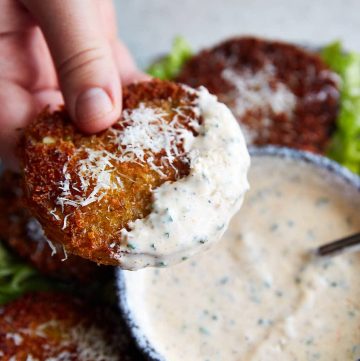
(50, 98)
(18, 107)
(25, 60)
(127, 68)
(85, 65)
(13, 17)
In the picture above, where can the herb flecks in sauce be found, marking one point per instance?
(271, 299)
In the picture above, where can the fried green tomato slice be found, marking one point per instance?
(280, 93)
(85, 189)
(55, 326)
(23, 234)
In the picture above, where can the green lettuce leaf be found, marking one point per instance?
(17, 278)
(345, 145)
(169, 66)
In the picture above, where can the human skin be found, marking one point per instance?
(59, 51)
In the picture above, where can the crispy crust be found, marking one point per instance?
(92, 230)
(51, 325)
(23, 234)
(311, 81)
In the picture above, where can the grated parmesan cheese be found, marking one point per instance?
(65, 255)
(15, 337)
(146, 131)
(259, 91)
(86, 343)
(96, 168)
(37, 234)
(192, 213)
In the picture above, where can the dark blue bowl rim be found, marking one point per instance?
(329, 165)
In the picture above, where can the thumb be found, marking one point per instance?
(83, 58)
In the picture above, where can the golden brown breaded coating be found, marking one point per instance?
(24, 235)
(280, 93)
(85, 188)
(44, 326)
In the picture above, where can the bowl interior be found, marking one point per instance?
(330, 167)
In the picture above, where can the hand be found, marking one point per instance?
(53, 51)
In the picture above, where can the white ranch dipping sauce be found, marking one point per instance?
(192, 213)
(258, 295)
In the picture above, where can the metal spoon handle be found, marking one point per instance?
(347, 244)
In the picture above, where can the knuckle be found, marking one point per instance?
(82, 61)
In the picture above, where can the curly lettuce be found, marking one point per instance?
(17, 278)
(169, 66)
(345, 144)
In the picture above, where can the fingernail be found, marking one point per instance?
(91, 105)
